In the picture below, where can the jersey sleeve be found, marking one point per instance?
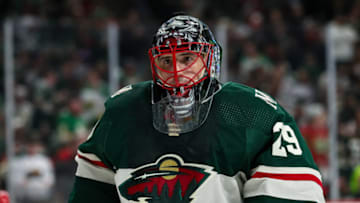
(94, 181)
(284, 170)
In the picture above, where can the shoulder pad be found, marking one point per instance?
(129, 94)
(245, 95)
(238, 104)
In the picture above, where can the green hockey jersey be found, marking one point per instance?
(248, 150)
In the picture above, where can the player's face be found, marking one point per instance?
(185, 68)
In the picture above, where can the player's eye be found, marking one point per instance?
(187, 59)
(165, 63)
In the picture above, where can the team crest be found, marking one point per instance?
(168, 180)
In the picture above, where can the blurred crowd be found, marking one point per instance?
(61, 69)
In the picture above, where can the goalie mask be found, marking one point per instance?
(185, 60)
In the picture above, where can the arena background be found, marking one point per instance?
(60, 60)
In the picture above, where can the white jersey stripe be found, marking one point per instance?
(286, 189)
(287, 170)
(93, 172)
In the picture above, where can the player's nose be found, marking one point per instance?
(181, 66)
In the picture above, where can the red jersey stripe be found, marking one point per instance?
(96, 163)
(303, 177)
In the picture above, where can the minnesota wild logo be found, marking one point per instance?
(168, 180)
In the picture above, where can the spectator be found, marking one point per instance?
(293, 89)
(355, 181)
(70, 124)
(315, 132)
(252, 60)
(24, 110)
(33, 174)
(343, 37)
(93, 96)
(4, 197)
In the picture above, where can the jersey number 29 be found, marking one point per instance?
(291, 144)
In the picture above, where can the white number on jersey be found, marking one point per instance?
(287, 134)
